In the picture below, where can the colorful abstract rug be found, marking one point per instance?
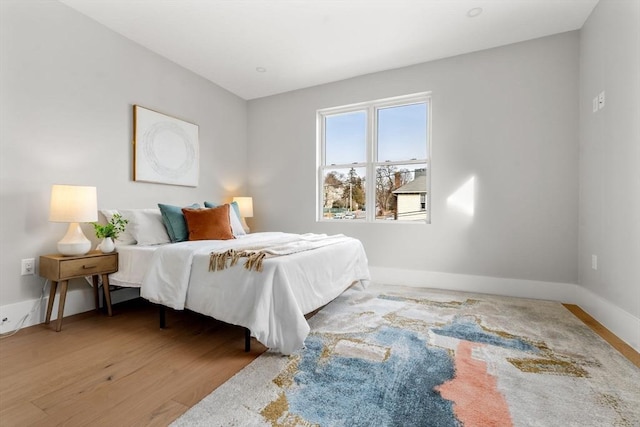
(398, 356)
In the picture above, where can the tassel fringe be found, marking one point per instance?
(219, 261)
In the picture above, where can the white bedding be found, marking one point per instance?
(133, 263)
(271, 303)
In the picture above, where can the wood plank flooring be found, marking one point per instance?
(625, 349)
(121, 371)
(125, 371)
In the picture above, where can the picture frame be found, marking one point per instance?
(165, 149)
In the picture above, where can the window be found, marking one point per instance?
(374, 160)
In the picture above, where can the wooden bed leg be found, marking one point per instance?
(247, 340)
(163, 317)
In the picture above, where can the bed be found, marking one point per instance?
(270, 303)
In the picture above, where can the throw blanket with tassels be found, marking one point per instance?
(254, 256)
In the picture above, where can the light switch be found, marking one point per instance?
(595, 104)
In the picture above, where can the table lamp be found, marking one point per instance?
(245, 206)
(73, 204)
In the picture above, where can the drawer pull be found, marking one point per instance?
(84, 267)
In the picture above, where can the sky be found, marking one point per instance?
(402, 132)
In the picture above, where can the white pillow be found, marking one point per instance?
(236, 225)
(125, 238)
(147, 227)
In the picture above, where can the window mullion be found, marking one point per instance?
(372, 137)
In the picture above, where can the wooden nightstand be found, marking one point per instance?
(59, 269)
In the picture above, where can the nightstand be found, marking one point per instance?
(59, 269)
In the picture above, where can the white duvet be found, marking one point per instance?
(271, 303)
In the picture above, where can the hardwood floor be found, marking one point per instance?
(625, 349)
(121, 371)
(125, 371)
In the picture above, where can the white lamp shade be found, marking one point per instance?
(73, 203)
(245, 205)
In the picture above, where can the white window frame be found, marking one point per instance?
(371, 108)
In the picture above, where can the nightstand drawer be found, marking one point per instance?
(88, 266)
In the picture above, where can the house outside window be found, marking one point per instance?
(374, 161)
(411, 197)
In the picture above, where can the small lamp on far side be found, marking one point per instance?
(245, 205)
(73, 204)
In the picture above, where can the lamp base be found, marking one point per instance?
(74, 242)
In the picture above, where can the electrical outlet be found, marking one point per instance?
(28, 267)
(6, 323)
(601, 100)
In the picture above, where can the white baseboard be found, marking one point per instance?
(620, 322)
(623, 324)
(77, 301)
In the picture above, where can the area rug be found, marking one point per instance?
(399, 356)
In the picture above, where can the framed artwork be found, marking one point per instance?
(165, 149)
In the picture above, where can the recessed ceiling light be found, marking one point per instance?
(472, 13)
(261, 69)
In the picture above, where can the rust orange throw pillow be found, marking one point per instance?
(208, 224)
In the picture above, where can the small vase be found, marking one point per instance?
(107, 245)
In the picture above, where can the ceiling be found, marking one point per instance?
(256, 48)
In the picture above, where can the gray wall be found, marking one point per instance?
(610, 154)
(506, 116)
(67, 88)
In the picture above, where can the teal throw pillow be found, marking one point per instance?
(174, 221)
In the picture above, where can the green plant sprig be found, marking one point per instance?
(112, 229)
